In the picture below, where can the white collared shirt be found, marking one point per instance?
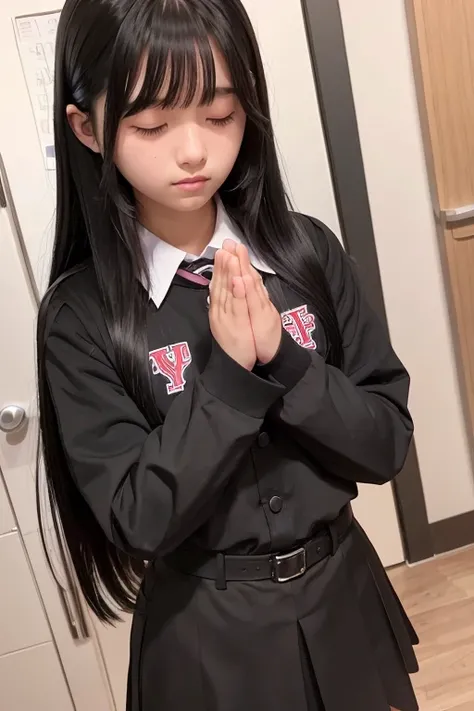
(163, 260)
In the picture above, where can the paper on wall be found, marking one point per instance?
(36, 37)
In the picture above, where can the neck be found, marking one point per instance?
(189, 231)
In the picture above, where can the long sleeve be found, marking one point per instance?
(150, 488)
(353, 422)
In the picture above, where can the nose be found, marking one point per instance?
(192, 152)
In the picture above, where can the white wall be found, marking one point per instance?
(382, 77)
(280, 29)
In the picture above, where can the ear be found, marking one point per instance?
(81, 124)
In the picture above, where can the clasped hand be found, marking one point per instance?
(242, 317)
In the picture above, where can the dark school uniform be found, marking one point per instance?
(261, 592)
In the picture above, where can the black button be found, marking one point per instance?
(276, 504)
(263, 439)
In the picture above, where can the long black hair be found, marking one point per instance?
(101, 45)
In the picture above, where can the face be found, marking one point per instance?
(177, 158)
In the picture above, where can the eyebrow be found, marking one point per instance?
(224, 90)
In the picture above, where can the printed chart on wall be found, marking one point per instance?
(36, 37)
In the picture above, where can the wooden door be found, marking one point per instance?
(442, 41)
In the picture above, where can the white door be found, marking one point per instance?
(101, 657)
(27, 650)
(42, 666)
(50, 657)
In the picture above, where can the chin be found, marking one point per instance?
(191, 203)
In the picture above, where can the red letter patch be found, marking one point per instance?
(300, 325)
(171, 362)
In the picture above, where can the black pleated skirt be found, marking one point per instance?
(336, 639)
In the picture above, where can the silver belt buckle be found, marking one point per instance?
(290, 566)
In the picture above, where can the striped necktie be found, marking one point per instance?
(199, 272)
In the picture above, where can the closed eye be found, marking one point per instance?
(223, 121)
(157, 130)
(151, 131)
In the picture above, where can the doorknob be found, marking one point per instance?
(11, 418)
(458, 214)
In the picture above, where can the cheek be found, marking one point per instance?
(228, 147)
(137, 161)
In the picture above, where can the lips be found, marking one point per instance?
(193, 181)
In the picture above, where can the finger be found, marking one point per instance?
(232, 272)
(244, 259)
(225, 288)
(240, 310)
(219, 295)
(239, 288)
(253, 299)
(248, 268)
(216, 282)
(219, 268)
(238, 301)
(261, 289)
(230, 246)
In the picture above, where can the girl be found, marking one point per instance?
(202, 453)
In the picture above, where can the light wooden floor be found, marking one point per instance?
(439, 598)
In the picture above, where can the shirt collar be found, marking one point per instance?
(163, 260)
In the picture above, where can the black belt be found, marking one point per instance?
(281, 568)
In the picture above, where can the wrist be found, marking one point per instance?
(266, 362)
(288, 365)
(267, 356)
(268, 353)
(248, 365)
(226, 379)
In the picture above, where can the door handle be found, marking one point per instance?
(458, 214)
(12, 418)
(73, 606)
(78, 630)
(60, 565)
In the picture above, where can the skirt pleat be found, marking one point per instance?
(360, 638)
(342, 657)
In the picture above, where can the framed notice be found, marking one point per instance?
(36, 37)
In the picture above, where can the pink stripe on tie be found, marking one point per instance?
(196, 278)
